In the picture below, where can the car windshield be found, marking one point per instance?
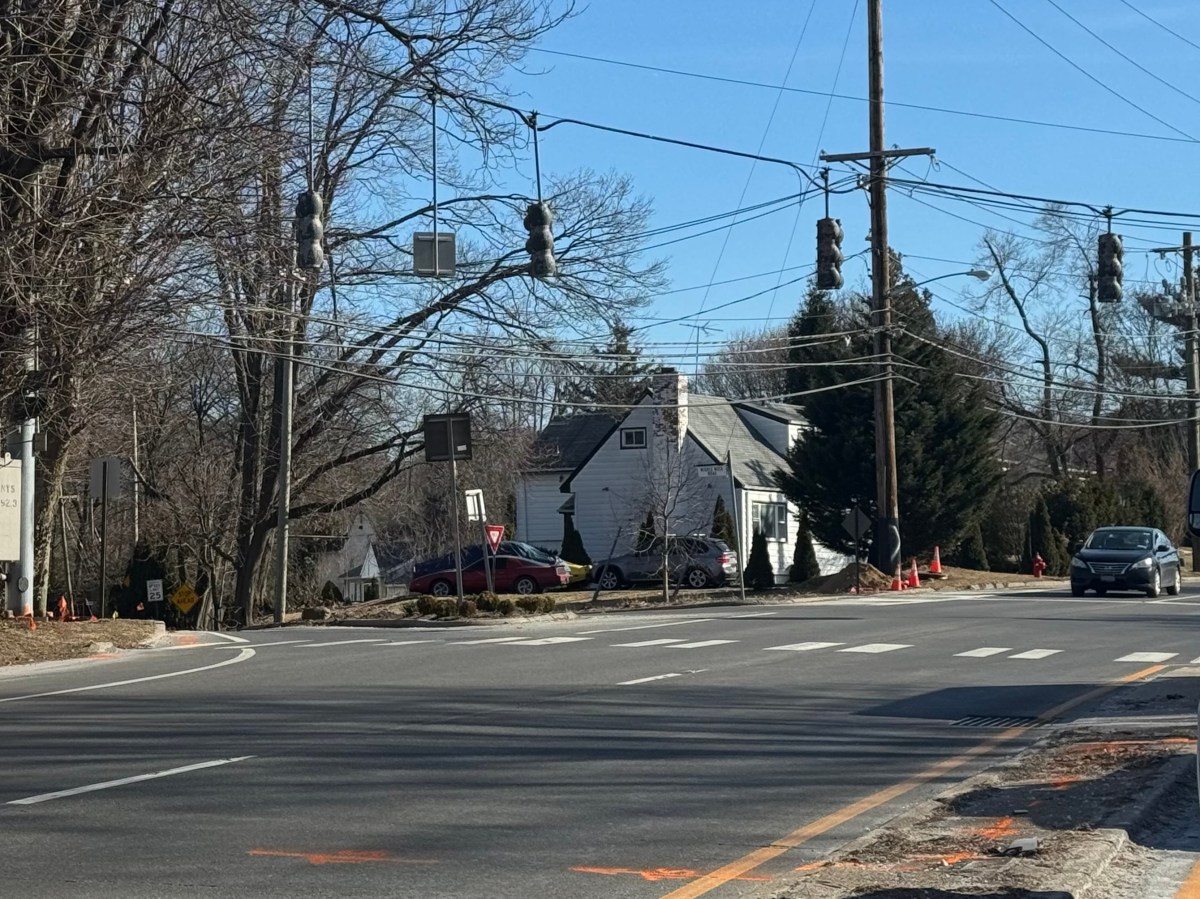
(1120, 538)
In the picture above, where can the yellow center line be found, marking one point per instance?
(1190, 888)
(802, 835)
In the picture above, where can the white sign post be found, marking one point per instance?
(154, 591)
(10, 512)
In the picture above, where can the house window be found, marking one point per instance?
(771, 519)
(633, 438)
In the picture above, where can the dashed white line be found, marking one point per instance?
(642, 627)
(549, 641)
(804, 647)
(1148, 657)
(650, 643)
(1036, 654)
(341, 643)
(646, 680)
(700, 644)
(877, 647)
(488, 640)
(984, 651)
(755, 615)
(406, 642)
(138, 778)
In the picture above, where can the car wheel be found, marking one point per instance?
(1176, 584)
(440, 588)
(609, 579)
(698, 579)
(526, 586)
(1077, 591)
(1155, 585)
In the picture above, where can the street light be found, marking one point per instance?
(887, 505)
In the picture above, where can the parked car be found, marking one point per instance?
(1126, 558)
(696, 561)
(517, 568)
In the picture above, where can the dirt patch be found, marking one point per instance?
(52, 641)
(845, 581)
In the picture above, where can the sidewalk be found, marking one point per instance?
(1091, 792)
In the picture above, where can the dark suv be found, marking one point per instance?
(696, 561)
(1141, 559)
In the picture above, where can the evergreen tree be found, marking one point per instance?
(947, 467)
(572, 544)
(971, 552)
(645, 533)
(804, 557)
(722, 524)
(760, 575)
(1042, 538)
(613, 380)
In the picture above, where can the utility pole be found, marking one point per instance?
(1184, 316)
(137, 474)
(283, 389)
(887, 501)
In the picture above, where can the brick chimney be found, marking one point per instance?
(669, 391)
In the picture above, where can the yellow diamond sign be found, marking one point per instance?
(184, 598)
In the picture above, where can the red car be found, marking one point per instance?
(512, 573)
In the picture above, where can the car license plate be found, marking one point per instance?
(1107, 578)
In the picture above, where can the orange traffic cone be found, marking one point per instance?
(914, 579)
(897, 581)
(28, 616)
(935, 567)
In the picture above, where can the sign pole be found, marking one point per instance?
(454, 499)
(104, 537)
(488, 556)
(737, 525)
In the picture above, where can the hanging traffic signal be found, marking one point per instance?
(310, 254)
(1108, 272)
(829, 254)
(540, 244)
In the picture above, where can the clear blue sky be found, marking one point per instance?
(958, 54)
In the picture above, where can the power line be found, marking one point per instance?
(1155, 21)
(836, 96)
(1077, 67)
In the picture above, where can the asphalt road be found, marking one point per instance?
(615, 755)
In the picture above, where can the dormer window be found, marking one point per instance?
(633, 438)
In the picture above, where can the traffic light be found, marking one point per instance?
(1108, 273)
(310, 254)
(540, 244)
(829, 254)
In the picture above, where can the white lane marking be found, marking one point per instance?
(646, 680)
(281, 643)
(108, 784)
(1036, 654)
(804, 647)
(487, 640)
(1148, 657)
(650, 643)
(550, 641)
(245, 653)
(877, 647)
(700, 644)
(642, 627)
(230, 637)
(754, 615)
(344, 643)
(983, 652)
(406, 642)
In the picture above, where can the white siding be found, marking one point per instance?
(538, 519)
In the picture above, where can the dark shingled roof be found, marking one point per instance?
(717, 426)
(568, 439)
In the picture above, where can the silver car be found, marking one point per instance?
(696, 561)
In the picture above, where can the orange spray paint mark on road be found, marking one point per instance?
(1001, 829)
(342, 857)
(655, 874)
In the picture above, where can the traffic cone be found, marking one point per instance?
(29, 621)
(914, 579)
(935, 567)
(897, 581)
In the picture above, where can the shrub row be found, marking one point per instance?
(469, 607)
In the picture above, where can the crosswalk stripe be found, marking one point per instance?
(1036, 654)
(407, 642)
(649, 643)
(340, 643)
(701, 644)
(646, 680)
(1148, 657)
(488, 640)
(803, 647)
(984, 651)
(549, 641)
(877, 647)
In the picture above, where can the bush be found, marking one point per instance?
(546, 603)
(426, 605)
(527, 603)
(505, 606)
(804, 557)
(446, 608)
(486, 602)
(760, 575)
(722, 524)
(971, 552)
(467, 608)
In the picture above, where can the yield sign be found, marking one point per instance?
(495, 533)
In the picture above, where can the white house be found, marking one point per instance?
(671, 455)
(355, 566)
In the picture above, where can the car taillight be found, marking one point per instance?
(726, 559)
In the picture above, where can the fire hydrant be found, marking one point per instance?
(1039, 564)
